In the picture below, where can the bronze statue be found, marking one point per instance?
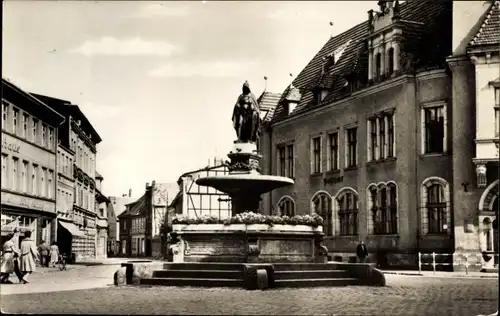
(246, 117)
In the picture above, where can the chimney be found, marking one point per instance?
(147, 185)
(124, 195)
(153, 183)
(129, 192)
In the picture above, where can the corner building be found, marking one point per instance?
(365, 130)
(29, 142)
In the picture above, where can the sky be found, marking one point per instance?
(158, 80)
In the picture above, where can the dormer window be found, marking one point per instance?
(322, 95)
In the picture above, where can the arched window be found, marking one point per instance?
(322, 205)
(348, 213)
(390, 61)
(286, 206)
(382, 202)
(435, 206)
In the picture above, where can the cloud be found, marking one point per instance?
(217, 69)
(98, 112)
(161, 10)
(111, 46)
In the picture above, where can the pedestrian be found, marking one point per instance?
(44, 250)
(28, 255)
(54, 254)
(9, 253)
(361, 251)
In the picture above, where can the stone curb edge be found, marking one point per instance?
(444, 276)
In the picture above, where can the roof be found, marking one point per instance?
(426, 36)
(52, 115)
(67, 108)
(119, 203)
(135, 208)
(489, 32)
(267, 104)
(98, 176)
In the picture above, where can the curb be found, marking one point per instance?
(444, 276)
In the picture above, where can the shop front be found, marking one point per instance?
(27, 214)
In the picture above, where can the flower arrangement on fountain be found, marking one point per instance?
(250, 218)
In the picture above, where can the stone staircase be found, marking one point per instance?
(198, 274)
(309, 275)
(237, 275)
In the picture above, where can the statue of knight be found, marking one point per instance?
(246, 117)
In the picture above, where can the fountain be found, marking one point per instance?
(251, 249)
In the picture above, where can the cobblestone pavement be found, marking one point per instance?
(404, 295)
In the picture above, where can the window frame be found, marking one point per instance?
(351, 143)
(333, 151)
(323, 202)
(348, 218)
(426, 126)
(316, 160)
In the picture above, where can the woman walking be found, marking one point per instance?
(28, 255)
(9, 252)
(54, 254)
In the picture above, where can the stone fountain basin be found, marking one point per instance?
(245, 183)
(256, 243)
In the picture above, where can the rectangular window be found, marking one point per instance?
(34, 180)
(5, 112)
(333, 158)
(351, 150)
(390, 136)
(50, 184)
(381, 137)
(15, 169)
(434, 130)
(51, 138)
(25, 125)
(15, 118)
(290, 160)
(44, 135)
(373, 146)
(378, 66)
(34, 130)
(4, 171)
(316, 155)
(24, 177)
(43, 187)
(281, 161)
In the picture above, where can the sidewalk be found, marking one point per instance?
(441, 274)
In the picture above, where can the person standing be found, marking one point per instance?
(361, 251)
(54, 254)
(28, 255)
(44, 249)
(9, 252)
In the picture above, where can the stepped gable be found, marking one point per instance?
(489, 33)
(426, 35)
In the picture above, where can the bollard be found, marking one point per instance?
(466, 264)
(434, 263)
(419, 262)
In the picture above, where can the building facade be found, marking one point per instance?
(118, 205)
(475, 67)
(29, 164)
(365, 132)
(102, 205)
(79, 136)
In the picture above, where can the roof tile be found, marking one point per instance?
(489, 33)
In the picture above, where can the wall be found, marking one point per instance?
(467, 19)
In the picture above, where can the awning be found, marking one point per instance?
(72, 229)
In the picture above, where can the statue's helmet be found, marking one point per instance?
(246, 87)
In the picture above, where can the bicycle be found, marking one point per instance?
(62, 262)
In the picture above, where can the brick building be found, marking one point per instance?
(365, 132)
(29, 165)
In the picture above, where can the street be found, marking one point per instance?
(87, 290)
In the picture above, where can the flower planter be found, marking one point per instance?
(244, 227)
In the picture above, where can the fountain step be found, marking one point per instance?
(203, 266)
(310, 274)
(316, 282)
(202, 274)
(305, 266)
(193, 282)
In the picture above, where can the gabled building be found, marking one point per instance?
(475, 65)
(119, 206)
(78, 136)
(102, 206)
(365, 131)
